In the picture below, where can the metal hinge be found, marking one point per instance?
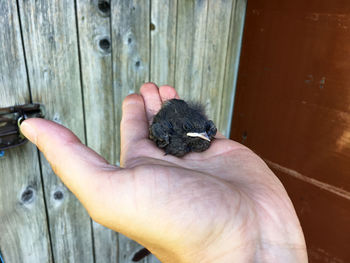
(10, 120)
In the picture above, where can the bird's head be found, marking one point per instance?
(199, 133)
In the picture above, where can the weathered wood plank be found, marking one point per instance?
(106, 244)
(50, 38)
(127, 249)
(13, 88)
(232, 63)
(203, 52)
(130, 42)
(163, 41)
(152, 259)
(24, 234)
(190, 42)
(96, 68)
(163, 49)
(136, 55)
(23, 226)
(130, 48)
(218, 24)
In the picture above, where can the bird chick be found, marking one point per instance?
(180, 128)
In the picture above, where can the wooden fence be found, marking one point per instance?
(80, 59)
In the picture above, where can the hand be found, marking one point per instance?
(221, 205)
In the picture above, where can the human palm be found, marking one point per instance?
(221, 205)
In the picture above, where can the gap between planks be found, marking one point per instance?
(330, 188)
(37, 150)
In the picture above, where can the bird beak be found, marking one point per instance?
(202, 135)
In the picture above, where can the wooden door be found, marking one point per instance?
(80, 59)
(292, 107)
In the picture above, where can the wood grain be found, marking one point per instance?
(218, 25)
(190, 43)
(152, 259)
(128, 249)
(131, 45)
(96, 68)
(163, 41)
(131, 56)
(50, 40)
(231, 66)
(82, 61)
(13, 75)
(206, 47)
(23, 226)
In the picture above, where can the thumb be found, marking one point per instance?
(80, 168)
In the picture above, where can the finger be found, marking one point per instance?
(79, 167)
(167, 93)
(153, 103)
(134, 124)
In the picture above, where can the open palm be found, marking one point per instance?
(221, 205)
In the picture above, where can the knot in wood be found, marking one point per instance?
(58, 195)
(104, 7)
(27, 196)
(105, 44)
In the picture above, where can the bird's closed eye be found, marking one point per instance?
(211, 128)
(169, 124)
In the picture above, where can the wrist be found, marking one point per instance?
(259, 252)
(278, 243)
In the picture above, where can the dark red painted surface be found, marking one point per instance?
(292, 107)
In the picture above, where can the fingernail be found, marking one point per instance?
(28, 131)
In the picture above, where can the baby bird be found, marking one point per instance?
(180, 128)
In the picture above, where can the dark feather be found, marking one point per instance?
(171, 125)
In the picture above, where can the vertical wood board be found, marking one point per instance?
(13, 76)
(190, 43)
(96, 68)
(218, 25)
(232, 64)
(131, 56)
(23, 226)
(128, 249)
(83, 59)
(163, 41)
(50, 41)
(130, 42)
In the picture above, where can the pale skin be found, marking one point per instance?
(221, 205)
